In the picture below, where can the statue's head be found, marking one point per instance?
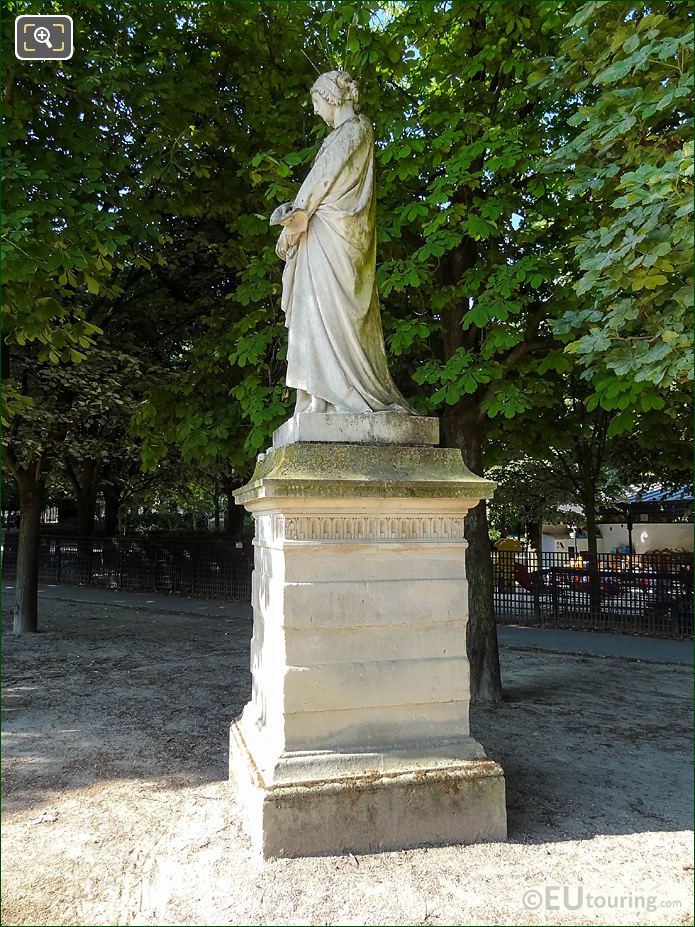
(334, 90)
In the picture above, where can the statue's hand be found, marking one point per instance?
(280, 214)
(296, 223)
(287, 245)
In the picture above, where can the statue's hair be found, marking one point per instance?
(337, 87)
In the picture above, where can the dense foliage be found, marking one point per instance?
(630, 164)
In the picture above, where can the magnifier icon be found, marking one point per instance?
(43, 36)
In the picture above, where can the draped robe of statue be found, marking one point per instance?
(329, 296)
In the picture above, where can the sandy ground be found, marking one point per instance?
(117, 810)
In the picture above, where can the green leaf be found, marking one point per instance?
(92, 284)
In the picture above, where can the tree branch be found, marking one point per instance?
(72, 476)
(10, 459)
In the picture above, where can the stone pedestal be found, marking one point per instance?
(356, 737)
(392, 428)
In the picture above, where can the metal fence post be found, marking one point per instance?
(90, 565)
(156, 568)
(121, 564)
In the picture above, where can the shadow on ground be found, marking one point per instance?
(106, 693)
(589, 745)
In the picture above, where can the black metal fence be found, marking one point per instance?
(648, 594)
(213, 569)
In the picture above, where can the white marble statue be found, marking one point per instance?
(336, 359)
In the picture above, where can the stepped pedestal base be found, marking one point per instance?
(356, 737)
(406, 807)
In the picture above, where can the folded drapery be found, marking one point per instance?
(329, 296)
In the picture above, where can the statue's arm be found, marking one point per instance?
(354, 141)
(325, 172)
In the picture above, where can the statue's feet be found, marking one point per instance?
(318, 405)
(308, 403)
(303, 402)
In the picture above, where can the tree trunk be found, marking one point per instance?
(589, 503)
(216, 500)
(86, 488)
(27, 581)
(235, 522)
(86, 512)
(112, 504)
(235, 514)
(483, 654)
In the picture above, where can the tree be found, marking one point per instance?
(569, 455)
(630, 161)
(102, 151)
(56, 239)
(224, 392)
(99, 397)
(524, 495)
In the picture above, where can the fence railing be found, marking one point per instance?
(649, 594)
(213, 569)
(643, 594)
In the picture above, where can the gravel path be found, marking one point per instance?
(117, 811)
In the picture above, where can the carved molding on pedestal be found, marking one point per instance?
(273, 528)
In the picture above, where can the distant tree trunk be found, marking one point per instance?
(86, 487)
(234, 522)
(486, 684)
(31, 486)
(234, 516)
(216, 501)
(630, 525)
(588, 454)
(589, 504)
(112, 505)
(87, 508)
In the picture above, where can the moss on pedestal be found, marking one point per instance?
(353, 470)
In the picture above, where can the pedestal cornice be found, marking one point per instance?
(358, 471)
